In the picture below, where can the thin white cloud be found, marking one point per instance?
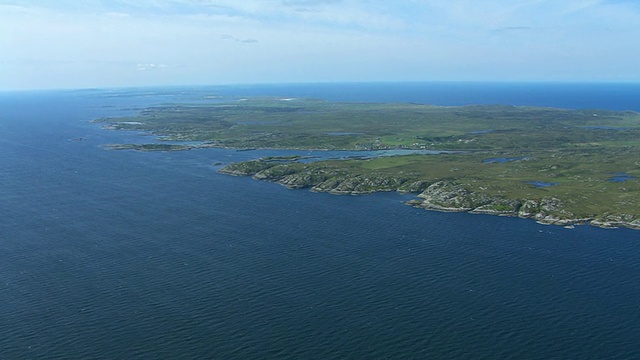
(244, 41)
(151, 66)
(305, 40)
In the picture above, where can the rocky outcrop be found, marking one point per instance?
(549, 211)
(499, 206)
(413, 186)
(440, 196)
(612, 221)
(246, 168)
(336, 182)
(359, 184)
(448, 196)
(298, 176)
(274, 173)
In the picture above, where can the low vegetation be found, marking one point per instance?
(556, 165)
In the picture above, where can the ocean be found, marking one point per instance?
(154, 255)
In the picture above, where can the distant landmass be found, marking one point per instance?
(557, 166)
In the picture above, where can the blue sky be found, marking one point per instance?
(107, 43)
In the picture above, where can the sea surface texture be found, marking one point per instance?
(154, 255)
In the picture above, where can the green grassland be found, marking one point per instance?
(576, 153)
(580, 178)
(304, 124)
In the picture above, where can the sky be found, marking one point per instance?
(55, 44)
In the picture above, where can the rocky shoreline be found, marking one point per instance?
(448, 196)
(439, 195)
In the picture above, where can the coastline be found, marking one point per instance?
(442, 196)
(555, 166)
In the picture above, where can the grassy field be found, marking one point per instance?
(582, 179)
(273, 123)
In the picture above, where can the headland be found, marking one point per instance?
(557, 166)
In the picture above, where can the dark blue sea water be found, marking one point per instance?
(138, 255)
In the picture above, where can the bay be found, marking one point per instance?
(123, 254)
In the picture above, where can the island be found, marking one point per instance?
(557, 166)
